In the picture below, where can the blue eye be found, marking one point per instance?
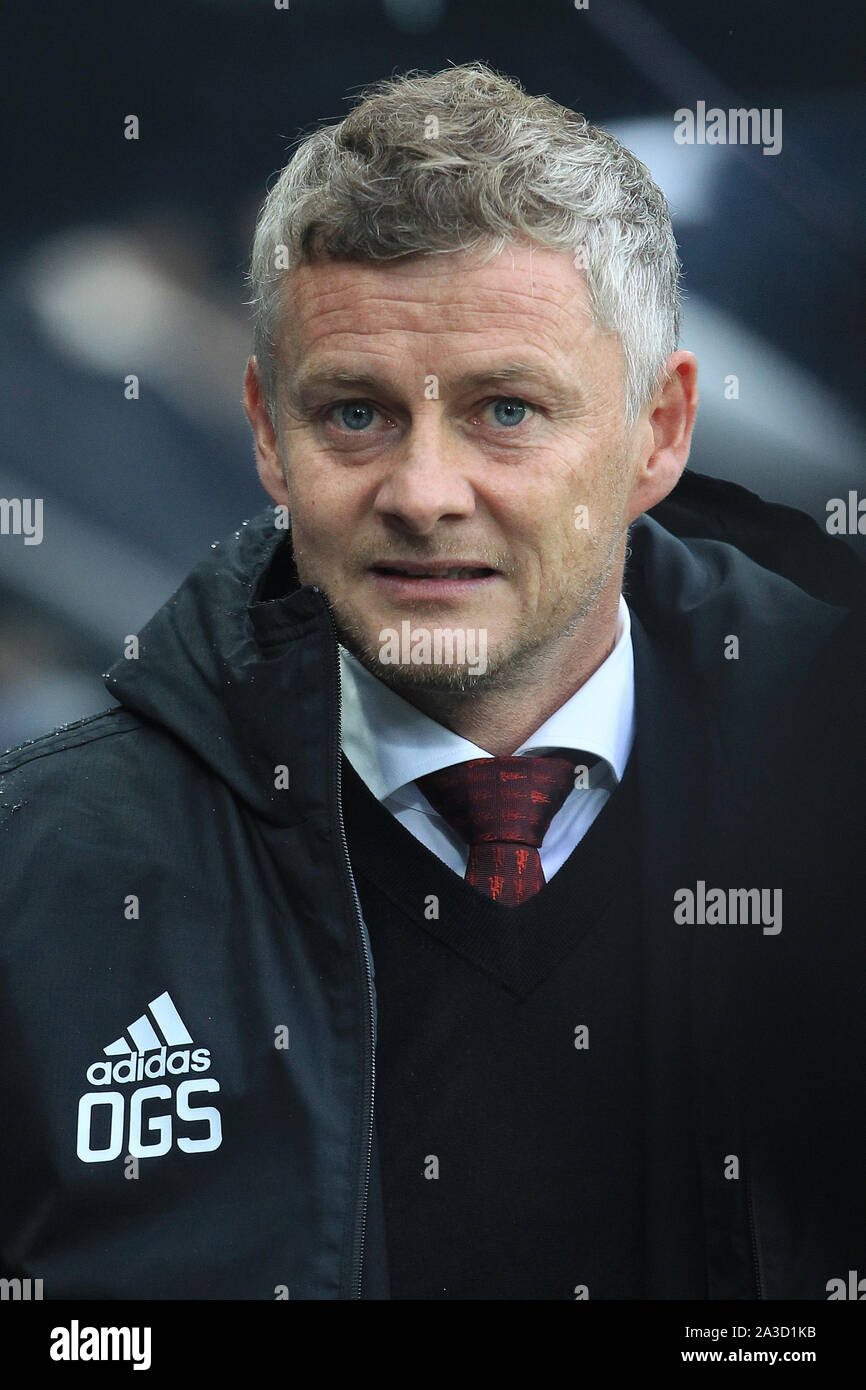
(510, 411)
(355, 415)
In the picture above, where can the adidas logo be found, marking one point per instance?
(157, 1044)
(172, 1033)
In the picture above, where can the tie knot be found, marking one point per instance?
(511, 800)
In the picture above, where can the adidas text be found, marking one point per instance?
(132, 1069)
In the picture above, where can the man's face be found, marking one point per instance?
(439, 411)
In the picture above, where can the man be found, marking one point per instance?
(461, 900)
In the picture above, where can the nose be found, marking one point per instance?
(426, 480)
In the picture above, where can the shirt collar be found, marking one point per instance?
(391, 743)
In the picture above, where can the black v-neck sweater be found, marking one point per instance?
(509, 1107)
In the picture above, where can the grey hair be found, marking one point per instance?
(457, 159)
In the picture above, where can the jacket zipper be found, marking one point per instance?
(753, 1237)
(369, 1083)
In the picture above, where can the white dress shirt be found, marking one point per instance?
(390, 743)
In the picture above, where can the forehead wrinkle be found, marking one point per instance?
(542, 294)
(344, 338)
(424, 340)
(552, 327)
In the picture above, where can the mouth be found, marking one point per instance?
(417, 580)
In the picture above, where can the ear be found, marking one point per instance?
(268, 460)
(666, 435)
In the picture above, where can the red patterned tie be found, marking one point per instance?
(502, 808)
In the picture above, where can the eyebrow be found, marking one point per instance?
(307, 383)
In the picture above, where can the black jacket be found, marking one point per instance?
(177, 867)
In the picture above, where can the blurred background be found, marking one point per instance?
(127, 257)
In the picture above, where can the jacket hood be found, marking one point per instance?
(235, 663)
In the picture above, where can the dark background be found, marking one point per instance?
(126, 256)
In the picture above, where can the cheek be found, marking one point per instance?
(324, 520)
